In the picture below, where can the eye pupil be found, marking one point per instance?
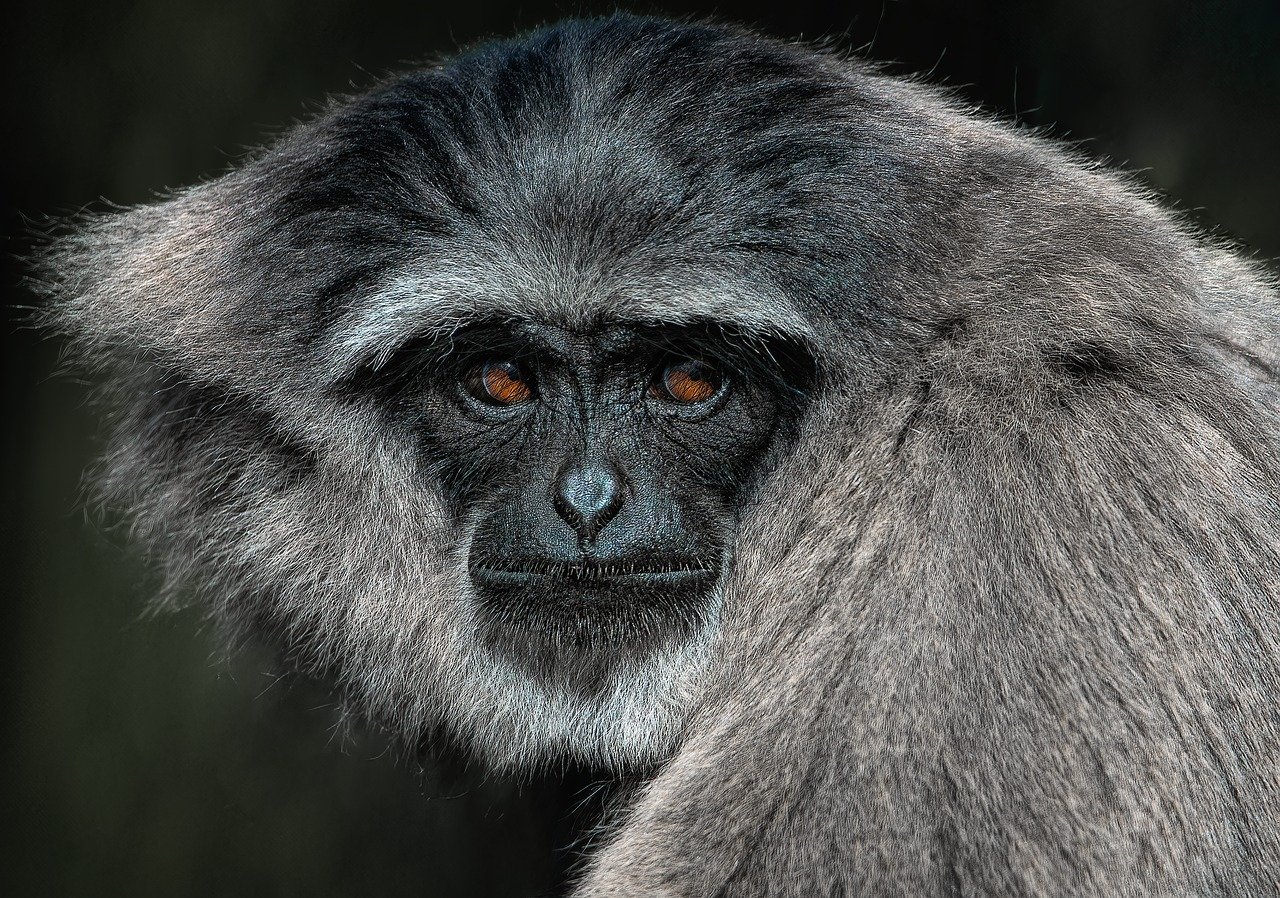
(690, 382)
(500, 383)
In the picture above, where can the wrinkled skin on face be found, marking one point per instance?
(600, 473)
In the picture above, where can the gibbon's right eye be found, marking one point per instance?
(499, 382)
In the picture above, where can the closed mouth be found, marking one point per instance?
(589, 572)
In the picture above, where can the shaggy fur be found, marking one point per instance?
(1005, 621)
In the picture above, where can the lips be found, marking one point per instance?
(590, 571)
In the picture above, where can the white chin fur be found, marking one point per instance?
(516, 722)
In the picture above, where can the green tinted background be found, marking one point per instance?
(139, 760)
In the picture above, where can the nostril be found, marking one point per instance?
(587, 496)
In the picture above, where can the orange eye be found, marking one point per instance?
(687, 382)
(500, 383)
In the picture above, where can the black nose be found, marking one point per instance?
(588, 495)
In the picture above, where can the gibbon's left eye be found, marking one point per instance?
(687, 382)
(499, 382)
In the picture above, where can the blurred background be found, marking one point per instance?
(138, 760)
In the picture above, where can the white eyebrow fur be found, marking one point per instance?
(429, 302)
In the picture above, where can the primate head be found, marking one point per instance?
(466, 391)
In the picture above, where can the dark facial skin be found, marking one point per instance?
(604, 473)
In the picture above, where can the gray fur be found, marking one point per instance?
(1005, 621)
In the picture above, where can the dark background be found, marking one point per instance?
(137, 759)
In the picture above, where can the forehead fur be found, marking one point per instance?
(618, 168)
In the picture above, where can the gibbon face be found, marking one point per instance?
(596, 477)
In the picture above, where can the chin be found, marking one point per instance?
(600, 670)
(575, 628)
